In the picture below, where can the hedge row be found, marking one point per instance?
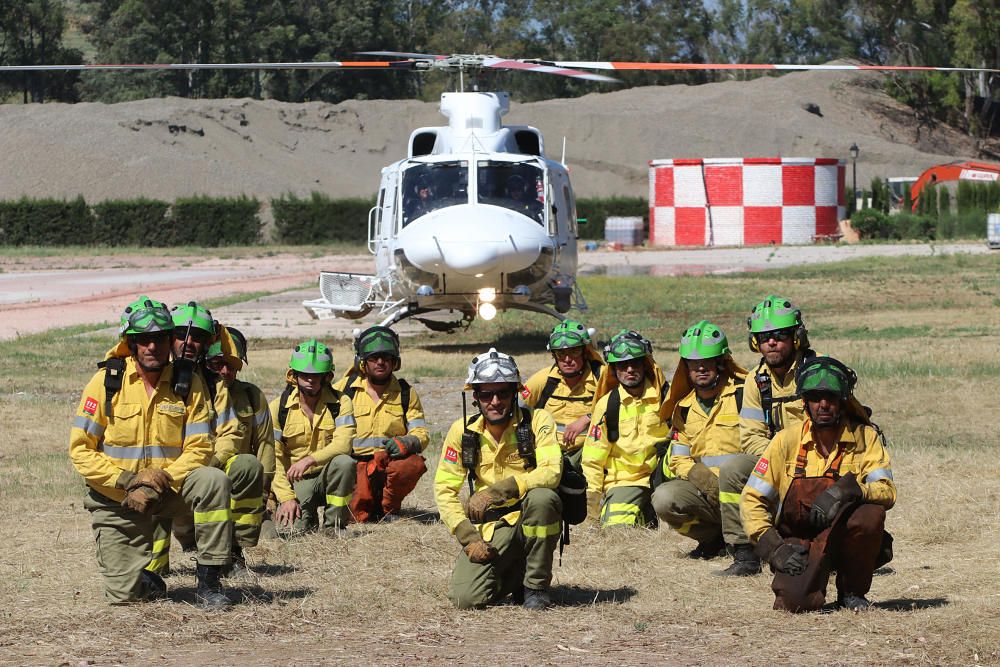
(598, 210)
(200, 221)
(872, 223)
(320, 219)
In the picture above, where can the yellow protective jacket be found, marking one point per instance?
(247, 410)
(706, 438)
(754, 432)
(161, 430)
(322, 438)
(497, 461)
(566, 405)
(384, 419)
(864, 454)
(631, 460)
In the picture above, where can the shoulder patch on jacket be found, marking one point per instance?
(90, 406)
(595, 432)
(525, 393)
(761, 468)
(451, 455)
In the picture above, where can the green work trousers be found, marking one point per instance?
(332, 489)
(682, 506)
(525, 553)
(125, 538)
(627, 506)
(733, 475)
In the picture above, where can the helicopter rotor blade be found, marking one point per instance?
(332, 64)
(401, 54)
(641, 66)
(544, 68)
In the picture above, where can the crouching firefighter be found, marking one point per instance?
(391, 430)
(512, 462)
(143, 450)
(830, 483)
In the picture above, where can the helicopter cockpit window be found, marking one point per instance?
(428, 187)
(518, 186)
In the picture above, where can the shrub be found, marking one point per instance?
(598, 210)
(870, 223)
(215, 221)
(140, 222)
(320, 219)
(45, 222)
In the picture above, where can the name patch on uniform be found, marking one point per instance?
(525, 393)
(595, 432)
(170, 408)
(90, 406)
(451, 455)
(761, 467)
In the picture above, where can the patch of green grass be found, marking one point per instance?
(868, 333)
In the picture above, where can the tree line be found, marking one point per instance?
(958, 33)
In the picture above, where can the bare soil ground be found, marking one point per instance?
(924, 341)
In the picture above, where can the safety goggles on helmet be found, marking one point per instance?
(311, 357)
(825, 375)
(627, 345)
(194, 317)
(773, 313)
(145, 315)
(704, 340)
(493, 367)
(568, 334)
(377, 340)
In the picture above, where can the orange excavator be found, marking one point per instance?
(954, 171)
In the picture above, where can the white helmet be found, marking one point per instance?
(492, 367)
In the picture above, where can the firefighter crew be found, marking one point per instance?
(510, 526)
(620, 453)
(313, 430)
(829, 480)
(703, 407)
(391, 430)
(249, 458)
(143, 449)
(194, 330)
(770, 403)
(566, 389)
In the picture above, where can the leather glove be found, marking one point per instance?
(783, 557)
(155, 478)
(705, 481)
(505, 489)
(845, 492)
(141, 499)
(401, 446)
(480, 552)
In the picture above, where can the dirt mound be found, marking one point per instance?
(173, 147)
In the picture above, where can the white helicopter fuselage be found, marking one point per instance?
(475, 220)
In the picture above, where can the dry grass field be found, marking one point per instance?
(924, 335)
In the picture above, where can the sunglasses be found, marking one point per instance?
(197, 336)
(779, 336)
(488, 396)
(216, 364)
(145, 339)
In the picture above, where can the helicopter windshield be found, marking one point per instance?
(518, 186)
(428, 187)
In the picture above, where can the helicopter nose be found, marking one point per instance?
(473, 240)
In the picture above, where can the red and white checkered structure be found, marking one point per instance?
(744, 201)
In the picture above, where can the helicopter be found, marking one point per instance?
(476, 219)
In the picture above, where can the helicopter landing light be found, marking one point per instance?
(425, 290)
(487, 295)
(487, 311)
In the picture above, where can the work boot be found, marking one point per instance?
(153, 585)
(390, 518)
(745, 563)
(536, 600)
(268, 531)
(853, 602)
(237, 568)
(710, 549)
(209, 593)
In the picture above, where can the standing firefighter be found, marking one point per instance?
(770, 402)
(313, 429)
(510, 526)
(620, 454)
(830, 482)
(391, 431)
(702, 501)
(566, 389)
(142, 447)
(248, 458)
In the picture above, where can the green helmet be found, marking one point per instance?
(825, 374)
(239, 342)
(773, 313)
(145, 316)
(567, 334)
(627, 345)
(703, 341)
(311, 357)
(194, 316)
(376, 340)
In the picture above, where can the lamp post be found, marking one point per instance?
(854, 173)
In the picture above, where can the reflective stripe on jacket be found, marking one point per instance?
(322, 438)
(497, 461)
(378, 421)
(249, 415)
(160, 430)
(630, 460)
(864, 455)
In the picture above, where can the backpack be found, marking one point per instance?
(404, 394)
(767, 400)
(552, 383)
(333, 406)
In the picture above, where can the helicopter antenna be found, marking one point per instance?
(563, 160)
